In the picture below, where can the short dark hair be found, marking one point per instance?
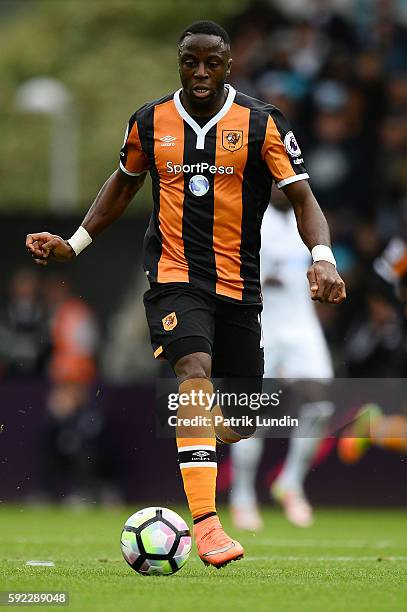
(205, 27)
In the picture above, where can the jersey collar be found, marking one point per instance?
(201, 132)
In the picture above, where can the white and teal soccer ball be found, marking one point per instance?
(156, 541)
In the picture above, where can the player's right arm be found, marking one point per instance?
(283, 157)
(110, 203)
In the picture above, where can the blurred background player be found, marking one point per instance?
(74, 458)
(294, 348)
(378, 348)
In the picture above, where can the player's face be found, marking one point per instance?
(204, 65)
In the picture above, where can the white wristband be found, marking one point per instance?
(321, 252)
(80, 240)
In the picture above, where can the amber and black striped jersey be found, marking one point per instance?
(211, 185)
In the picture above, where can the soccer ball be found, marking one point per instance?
(156, 541)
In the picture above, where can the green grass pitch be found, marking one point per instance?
(351, 560)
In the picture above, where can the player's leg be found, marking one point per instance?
(245, 458)
(308, 359)
(181, 321)
(246, 453)
(238, 361)
(181, 325)
(288, 488)
(197, 460)
(196, 444)
(237, 368)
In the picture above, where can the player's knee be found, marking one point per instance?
(231, 436)
(231, 430)
(196, 365)
(243, 434)
(246, 431)
(321, 411)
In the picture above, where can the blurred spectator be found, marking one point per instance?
(74, 335)
(335, 159)
(76, 461)
(283, 89)
(393, 162)
(23, 328)
(126, 355)
(374, 342)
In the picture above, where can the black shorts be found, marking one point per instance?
(184, 319)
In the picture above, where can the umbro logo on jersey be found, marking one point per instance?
(168, 141)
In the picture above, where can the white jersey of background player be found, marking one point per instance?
(294, 344)
(294, 347)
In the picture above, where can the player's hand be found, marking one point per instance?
(45, 247)
(325, 283)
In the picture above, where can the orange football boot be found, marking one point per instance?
(214, 546)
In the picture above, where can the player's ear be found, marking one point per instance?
(229, 65)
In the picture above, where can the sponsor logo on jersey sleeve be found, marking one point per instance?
(291, 145)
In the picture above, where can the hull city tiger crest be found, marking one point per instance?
(232, 140)
(170, 321)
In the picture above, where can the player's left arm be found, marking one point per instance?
(325, 283)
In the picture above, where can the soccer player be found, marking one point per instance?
(294, 348)
(212, 154)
